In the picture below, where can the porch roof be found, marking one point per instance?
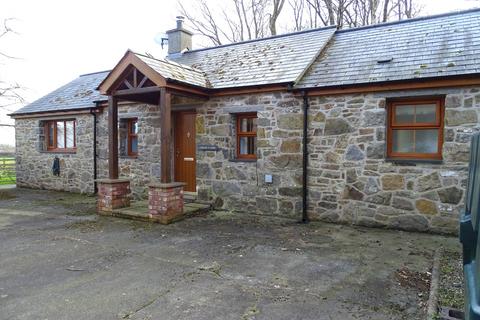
(172, 70)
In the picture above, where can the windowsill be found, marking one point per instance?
(242, 160)
(59, 151)
(413, 162)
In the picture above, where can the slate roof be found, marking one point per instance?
(437, 46)
(175, 71)
(277, 59)
(77, 94)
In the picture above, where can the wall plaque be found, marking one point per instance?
(207, 147)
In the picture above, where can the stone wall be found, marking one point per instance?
(239, 185)
(76, 169)
(351, 182)
(143, 168)
(34, 164)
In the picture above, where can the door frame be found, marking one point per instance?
(176, 115)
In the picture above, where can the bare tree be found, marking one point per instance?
(9, 91)
(297, 7)
(355, 13)
(277, 9)
(240, 20)
(237, 20)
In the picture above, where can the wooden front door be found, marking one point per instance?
(185, 149)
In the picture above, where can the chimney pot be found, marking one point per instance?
(179, 38)
(180, 22)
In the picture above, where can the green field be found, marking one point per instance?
(7, 170)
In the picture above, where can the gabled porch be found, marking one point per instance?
(142, 79)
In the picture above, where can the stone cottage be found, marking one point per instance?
(367, 126)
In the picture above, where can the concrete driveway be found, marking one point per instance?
(58, 260)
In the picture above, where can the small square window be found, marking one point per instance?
(60, 135)
(415, 129)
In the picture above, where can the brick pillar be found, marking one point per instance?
(112, 194)
(165, 201)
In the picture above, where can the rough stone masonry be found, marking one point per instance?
(349, 179)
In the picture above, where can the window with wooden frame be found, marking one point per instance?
(247, 136)
(415, 129)
(132, 137)
(60, 135)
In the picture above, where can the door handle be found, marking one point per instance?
(188, 159)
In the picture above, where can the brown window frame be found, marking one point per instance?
(54, 147)
(130, 137)
(241, 134)
(392, 125)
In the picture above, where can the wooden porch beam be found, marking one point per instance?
(186, 90)
(112, 137)
(135, 77)
(136, 91)
(165, 136)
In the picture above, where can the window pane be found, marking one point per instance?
(426, 141)
(403, 141)
(133, 127)
(60, 134)
(70, 134)
(248, 124)
(404, 114)
(253, 124)
(425, 113)
(247, 145)
(51, 130)
(123, 144)
(134, 147)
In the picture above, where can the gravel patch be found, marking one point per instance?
(451, 292)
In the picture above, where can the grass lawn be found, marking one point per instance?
(7, 170)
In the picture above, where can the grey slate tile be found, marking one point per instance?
(271, 60)
(77, 94)
(445, 45)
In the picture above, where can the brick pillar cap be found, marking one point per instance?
(167, 185)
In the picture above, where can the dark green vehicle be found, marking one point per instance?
(469, 235)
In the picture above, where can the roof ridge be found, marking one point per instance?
(167, 61)
(262, 39)
(411, 20)
(91, 73)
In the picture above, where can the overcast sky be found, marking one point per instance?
(58, 40)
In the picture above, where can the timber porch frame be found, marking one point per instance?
(133, 80)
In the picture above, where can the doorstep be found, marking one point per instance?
(138, 210)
